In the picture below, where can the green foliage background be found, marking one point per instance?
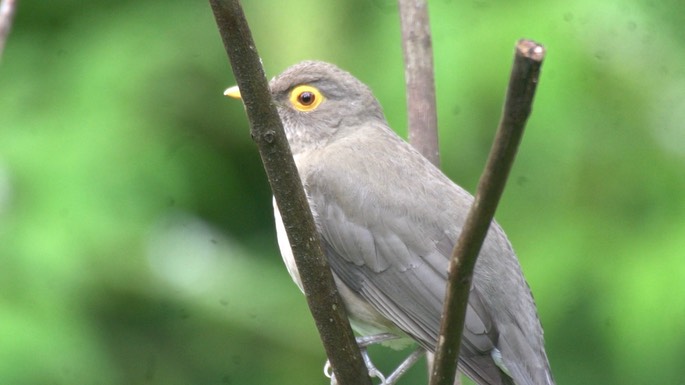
(136, 237)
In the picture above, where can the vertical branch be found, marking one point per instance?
(418, 74)
(267, 131)
(422, 119)
(517, 106)
(6, 14)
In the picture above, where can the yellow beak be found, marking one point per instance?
(232, 92)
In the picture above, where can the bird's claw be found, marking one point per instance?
(373, 371)
(363, 342)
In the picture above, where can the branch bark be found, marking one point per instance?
(418, 74)
(6, 15)
(267, 131)
(519, 98)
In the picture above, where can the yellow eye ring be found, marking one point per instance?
(305, 98)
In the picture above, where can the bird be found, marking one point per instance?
(388, 220)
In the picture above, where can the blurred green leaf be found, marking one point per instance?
(136, 237)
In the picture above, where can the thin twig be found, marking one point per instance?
(6, 14)
(522, 83)
(418, 75)
(422, 119)
(267, 131)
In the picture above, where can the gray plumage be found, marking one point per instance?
(389, 219)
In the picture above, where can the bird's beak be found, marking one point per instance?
(232, 92)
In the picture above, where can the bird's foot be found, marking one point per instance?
(366, 341)
(373, 371)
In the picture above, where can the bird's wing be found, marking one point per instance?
(408, 290)
(395, 256)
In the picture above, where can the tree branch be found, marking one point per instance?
(418, 74)
(522, 83)
(6, 14)
(267, 131)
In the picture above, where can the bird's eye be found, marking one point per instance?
(305, 98)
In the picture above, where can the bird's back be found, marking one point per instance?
(389, 220)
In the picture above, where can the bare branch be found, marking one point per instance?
(522, 83)
(267, 131)
(6, 14)
(418, 75)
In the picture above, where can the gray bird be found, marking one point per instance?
(389, 219)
